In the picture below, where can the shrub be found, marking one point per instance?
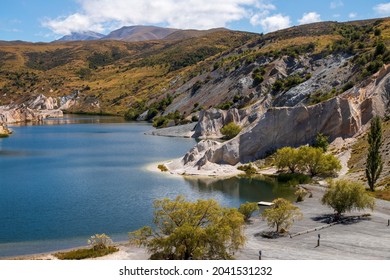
(99, 247)
(99, 241)
(287, 157)
(230, 130)
(247, 209)
(162, 167)
(345, 196)
(301, 194)
(321, 141)
(281, 214)
(248, 169)
(194, 118)
(307, 159)
(85, 253)
(315, 162)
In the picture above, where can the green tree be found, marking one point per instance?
(321, 141)
(374, 162)
(281, 214)
(191, 230)
(247, 209)
(230, 130)
(316, 162)
(287, 157)
(345, 196)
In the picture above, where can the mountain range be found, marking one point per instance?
(139, 33)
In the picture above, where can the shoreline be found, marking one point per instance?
(338, 242)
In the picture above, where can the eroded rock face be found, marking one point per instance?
(343, 116)
(35, 110)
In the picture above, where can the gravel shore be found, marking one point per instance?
(353, 239)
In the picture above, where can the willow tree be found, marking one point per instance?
(282, 214)
(374, 162)
(191, 230)
(345, 196)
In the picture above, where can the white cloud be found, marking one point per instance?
(271, 23)
(100, 15)
(309, 18)
(336, 4)
(383, 9)
(352, 15)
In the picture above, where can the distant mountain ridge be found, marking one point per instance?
(140, 33)
(82, 36)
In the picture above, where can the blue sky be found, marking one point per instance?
(39, 20)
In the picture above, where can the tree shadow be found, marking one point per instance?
(325, 218)
(331, 218)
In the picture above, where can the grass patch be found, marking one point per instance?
(85, 253)
(382, 194)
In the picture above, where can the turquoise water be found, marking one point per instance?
(66, 180)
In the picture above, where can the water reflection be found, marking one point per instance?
(242, 188)
(75, 119)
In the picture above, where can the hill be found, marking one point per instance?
(139, 33)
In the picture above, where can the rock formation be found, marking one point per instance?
(269, 129)
(35, 109)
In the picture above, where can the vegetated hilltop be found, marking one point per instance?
(107, 76)
(300, 65)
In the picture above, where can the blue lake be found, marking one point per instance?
(65, 180)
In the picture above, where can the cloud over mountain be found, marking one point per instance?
(101, 15)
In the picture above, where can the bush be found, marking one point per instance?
(301, 194)
(85, 253)
(287, 157)
(321, 141)
(257, 80)
(307, 159)
(281, 214)
(248, 169)
(99, 247)
(315, 162)
(194, 118)
(230, 130)
(345, 196)
(99, 241)
(247, 209)
(162, 167)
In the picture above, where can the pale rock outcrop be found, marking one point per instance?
(4, 130)
(343, 116)
(35, 110)
(211, 121)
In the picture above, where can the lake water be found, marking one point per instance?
(67, 179)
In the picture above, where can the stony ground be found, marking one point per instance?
(367, 238)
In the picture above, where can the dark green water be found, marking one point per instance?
(66, 180)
